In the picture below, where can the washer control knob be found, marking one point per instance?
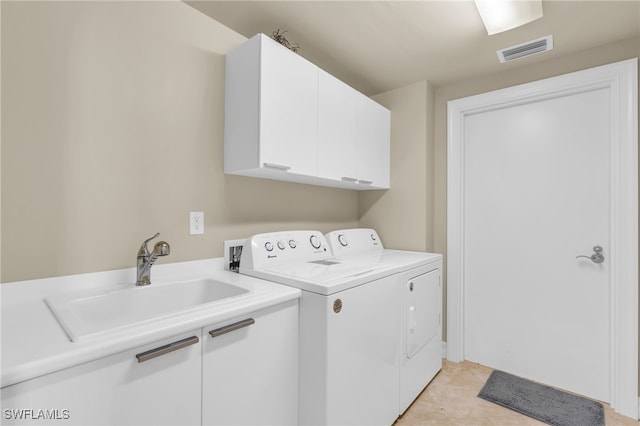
(315, 241)
(343, 240)
(268, 246)
(373, 237)
(281, 245)
(292, 244)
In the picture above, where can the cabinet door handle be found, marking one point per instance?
(162, 350)
(232, 327)
(349, 179)
(365, 182)
(276, 166)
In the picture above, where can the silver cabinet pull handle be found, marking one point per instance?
(349, 179)
(232, 327)
(277, 166)
(162, 350)
(365, 182)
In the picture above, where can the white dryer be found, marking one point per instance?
(349, 342)
(419, 287)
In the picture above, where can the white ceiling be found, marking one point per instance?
(376, 46)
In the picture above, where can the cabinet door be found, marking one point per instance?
(250, 369)
(288, 110)
(337, 126)
(117, 389)
(374, 134)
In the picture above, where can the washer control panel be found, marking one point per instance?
(349, 241)
(277, 248)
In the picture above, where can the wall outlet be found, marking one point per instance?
(196, 223)
(232, 254)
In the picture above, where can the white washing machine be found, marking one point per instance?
(349, 341)
(419, 287)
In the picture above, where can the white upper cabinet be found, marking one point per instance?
(271, 111)
(353, 136)
(287, 119)
(373, 135)
(337, 129)
(288, 109)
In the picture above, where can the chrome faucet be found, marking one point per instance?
(146, 259)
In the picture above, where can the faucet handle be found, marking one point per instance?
(143, 248)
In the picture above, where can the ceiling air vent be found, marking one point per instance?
(526, 49)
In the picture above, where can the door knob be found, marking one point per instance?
(596, 257)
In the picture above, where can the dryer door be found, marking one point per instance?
(422, 302)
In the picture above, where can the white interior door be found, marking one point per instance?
(527, 205)
(536, 196)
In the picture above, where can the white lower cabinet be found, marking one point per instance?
(250, 369)
(155, 384)
(242, 371)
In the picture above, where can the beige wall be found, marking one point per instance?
(403, 215)
(113, 130)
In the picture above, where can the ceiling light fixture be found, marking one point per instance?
(503, 15)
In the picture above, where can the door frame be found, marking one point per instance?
(621, 79)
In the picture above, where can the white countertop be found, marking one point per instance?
(33, 343)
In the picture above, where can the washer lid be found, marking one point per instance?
(326, 270)
(326, 276)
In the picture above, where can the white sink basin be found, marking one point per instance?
(83, 315)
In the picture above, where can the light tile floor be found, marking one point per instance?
(451, 399)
